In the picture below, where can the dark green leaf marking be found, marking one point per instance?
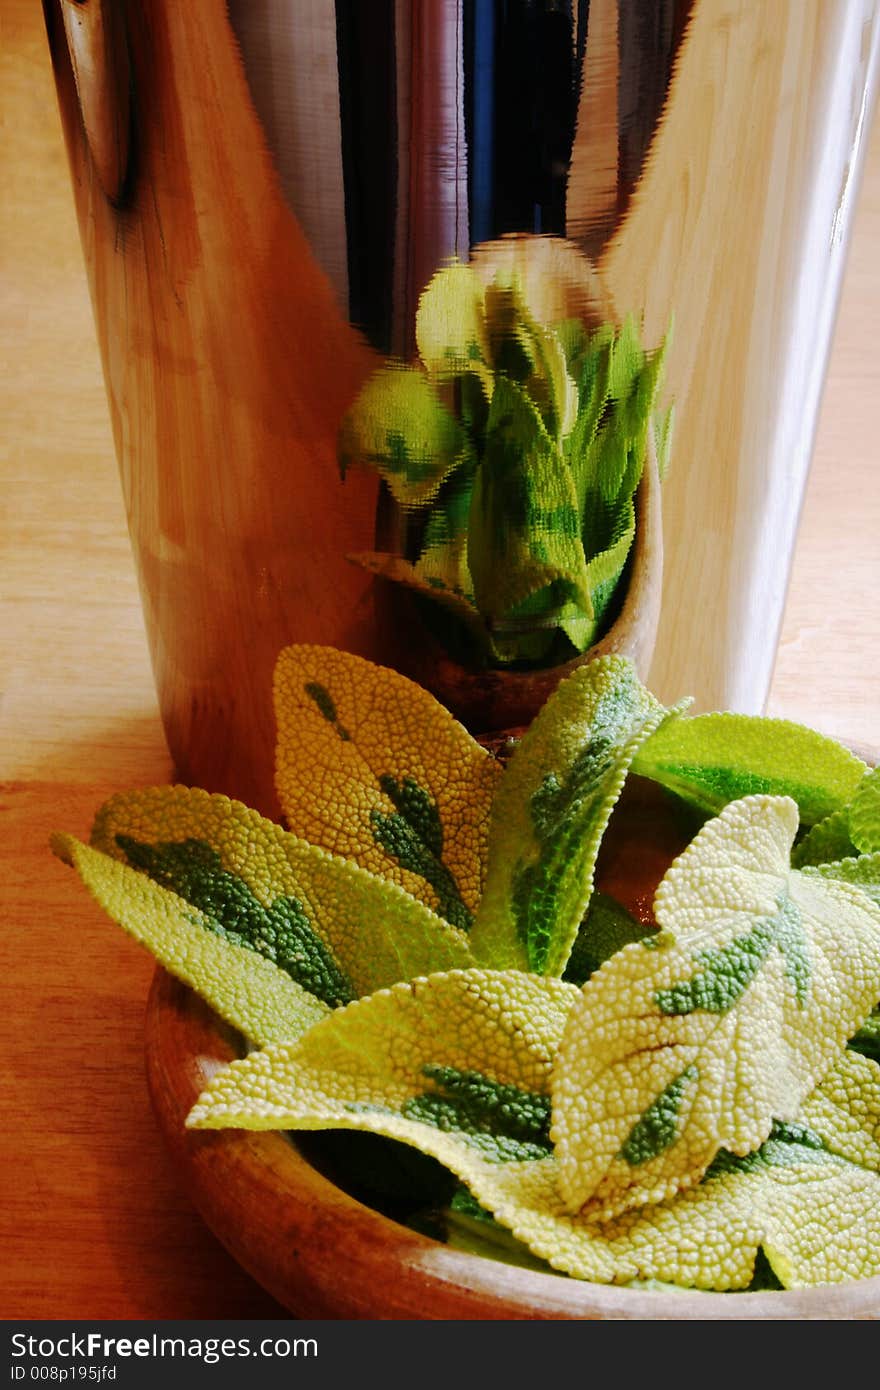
(326, 707)
(282, 933)
(711, 788)
(727, 973)
(556, 808)
(506, 1124)
(413, 835)
(659, 1126)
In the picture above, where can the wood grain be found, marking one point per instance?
(94, 1223)
(228, 367)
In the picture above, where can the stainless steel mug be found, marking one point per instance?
(266, 187)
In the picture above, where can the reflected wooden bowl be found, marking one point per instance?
(503, 699)
(323, 1254)
(558, 282)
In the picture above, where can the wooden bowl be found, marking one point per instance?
(323, 1254)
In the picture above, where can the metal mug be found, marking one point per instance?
(264, 187)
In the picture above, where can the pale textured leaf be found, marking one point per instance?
(698, 1038)
(816, 1216)
(713, 759)
(339, 930)
(550, 813)
(244, 988)
(384, 1065)
(822, 1223)
(844, 1110)
(371, 767)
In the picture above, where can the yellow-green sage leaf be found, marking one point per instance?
(551, 810)
(373, 768)
(456, 1065)
(399, 426)
(337, 929)
(815, 1215)
(844, 1110)
(451, 322)
(825, 842)
(698, 1038)
(862, 870)
(244, 988)
(524, 528)
(864, 814)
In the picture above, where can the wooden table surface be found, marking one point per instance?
(94, 1224)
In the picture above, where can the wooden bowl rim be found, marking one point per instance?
(278, 1215)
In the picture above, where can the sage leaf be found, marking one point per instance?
(606, 929)
(457, 1065)
(450, 322)
(550, 812)
(864, 814)
(825, 842)
(524, 528)
(247, 990)
(337, 929)
(698, 1038)
(399, 425)
(713, 759)
(373, 768)
(863, 871)
(844, 1110)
